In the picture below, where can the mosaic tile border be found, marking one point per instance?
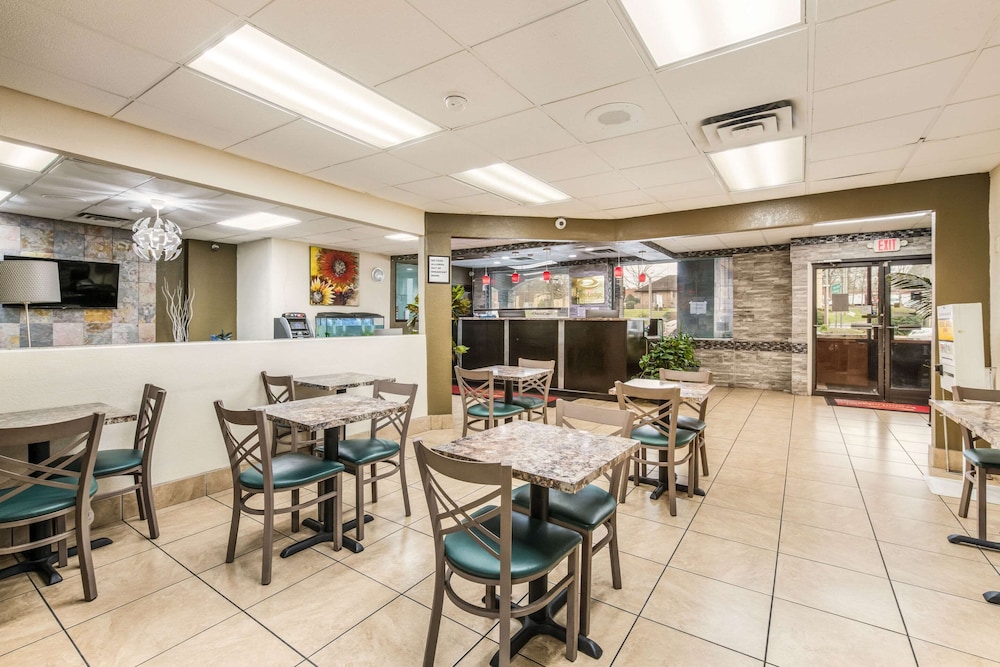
(750, 345)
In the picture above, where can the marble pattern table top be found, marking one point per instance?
(513, 373)
(29, 418)
(980, 417)
(691, 391)
(544, 455)
(337, 381)
(330, 411)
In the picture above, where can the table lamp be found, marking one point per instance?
(27, 281)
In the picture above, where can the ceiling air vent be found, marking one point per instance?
(602, 251)
(761, 123)
(96, 217)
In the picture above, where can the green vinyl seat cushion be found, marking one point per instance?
(291, 470)
(536, 547)
(587, 509)
(528, 402)
(359, 451)
(39, 500)
(983, 456)
(114, 461)
(650, 435)
(500, 409)
(690, 423)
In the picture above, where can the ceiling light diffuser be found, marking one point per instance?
(25, 157)
(510, 182)
(257, 221)
(762, 165)
(262, 66)
(680, 29)
(401, 237)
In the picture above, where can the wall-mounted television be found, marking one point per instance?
(82, 284)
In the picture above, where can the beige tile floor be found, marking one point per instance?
(817, 544)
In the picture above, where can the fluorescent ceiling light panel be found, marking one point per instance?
(402, 237)
(674, 30)
(25, 157)
(507, 181)
(275, 72)
(258, 221)
(882, 218)
(763, 165)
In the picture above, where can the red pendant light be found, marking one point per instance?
(618, 271)
(515, 277)
(642, 278)
(486, 280)
(546, 276)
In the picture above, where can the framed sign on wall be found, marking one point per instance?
(439, 269)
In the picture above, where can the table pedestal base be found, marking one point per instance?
(661, 486)
(42, 563)
(323, 535)
(543, 622)
(993, 597)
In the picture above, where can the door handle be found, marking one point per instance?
(855, 325)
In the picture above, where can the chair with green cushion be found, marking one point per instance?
(280, 389)
(655, 411)
(478, 403)
(591, 507)
(687, 422)
(539, 385)
(979, 462)
(479, 541)
(258, 472)
(386, 444)
(47, 488)
(136, 462)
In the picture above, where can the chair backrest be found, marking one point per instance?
(540, 383)
(651, 406)
(607, 421)
(279, 388)
(69, 464)
(974, 394)
(248, 441)
(450, 515)
(475, 388)
(704, 377)
(150, 409)
(398, 422)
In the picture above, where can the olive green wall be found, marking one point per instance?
(211, 276)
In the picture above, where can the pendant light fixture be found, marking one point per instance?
(642, 278)
(546, 274)
(618, 269)
(486, 278)
(515, 277)
(156, 238)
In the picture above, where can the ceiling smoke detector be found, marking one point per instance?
(455, 102)
(753, 125)
(615, 116)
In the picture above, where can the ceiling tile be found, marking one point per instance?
(886, 96)
(440, 187)
(519, 135)
(371, 41)
(423, 91)
(667, 173)
(968, 118)
(851, 182)
(777, 236)
(445, 153)
(50, 42)
(301, 146)
(630, 198)
(34, 81)
(703, 188)
(565, 43)
(782, 192)
(692, 203)
(643, 93)
(479, 203)
(633, 150)
(898, 35)
(563, 164)
(174, 30)
(959, 148)
(831, 9)
(166, 122)
(638, 210)
(868, 137)
(213, 233)
(373, 172)
(241, 7)
(81, 175)
(855, 165)
(573, 208)
(474, 22)
(743, 239)
(769, 71)
(973, 165)
(400, 196)
(982, 79)
(595, 184)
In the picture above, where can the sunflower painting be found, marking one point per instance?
(333, 277)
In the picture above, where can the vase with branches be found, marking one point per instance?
(180, 308)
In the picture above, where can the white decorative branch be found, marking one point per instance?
(180, 310)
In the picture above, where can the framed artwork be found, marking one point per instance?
(588, 290)
(439, 269)
(333, 277)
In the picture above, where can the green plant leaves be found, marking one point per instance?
(675, 353)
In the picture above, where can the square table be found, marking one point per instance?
(329, 413)
(547, 457)
(40, 559)
(510, 375)
(340, 382)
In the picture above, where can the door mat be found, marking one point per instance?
(877, 405)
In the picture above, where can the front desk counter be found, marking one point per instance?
(590, 354)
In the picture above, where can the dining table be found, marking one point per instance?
(547, 457)
(329, 414)
(510, 375)
(41, 558)
(695, 393)
(341, 382)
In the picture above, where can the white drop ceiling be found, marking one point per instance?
(883, 92)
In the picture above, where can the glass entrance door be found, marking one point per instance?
(872, 333)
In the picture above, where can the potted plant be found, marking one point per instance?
(675, 353)
(460, 306)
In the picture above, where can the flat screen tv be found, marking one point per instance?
(82, 284)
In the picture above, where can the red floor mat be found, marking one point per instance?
(877, 405)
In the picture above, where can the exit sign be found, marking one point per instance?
(886, 245)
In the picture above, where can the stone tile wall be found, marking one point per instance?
(134, 321)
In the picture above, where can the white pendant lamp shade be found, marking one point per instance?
(27, 281)
(156, 238)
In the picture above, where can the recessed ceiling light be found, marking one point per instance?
(680, 29)
(571, 256)
(401, 237)
(507, 181)
(275, 72)
(763, 165)
(25, 157)
(258, 221)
